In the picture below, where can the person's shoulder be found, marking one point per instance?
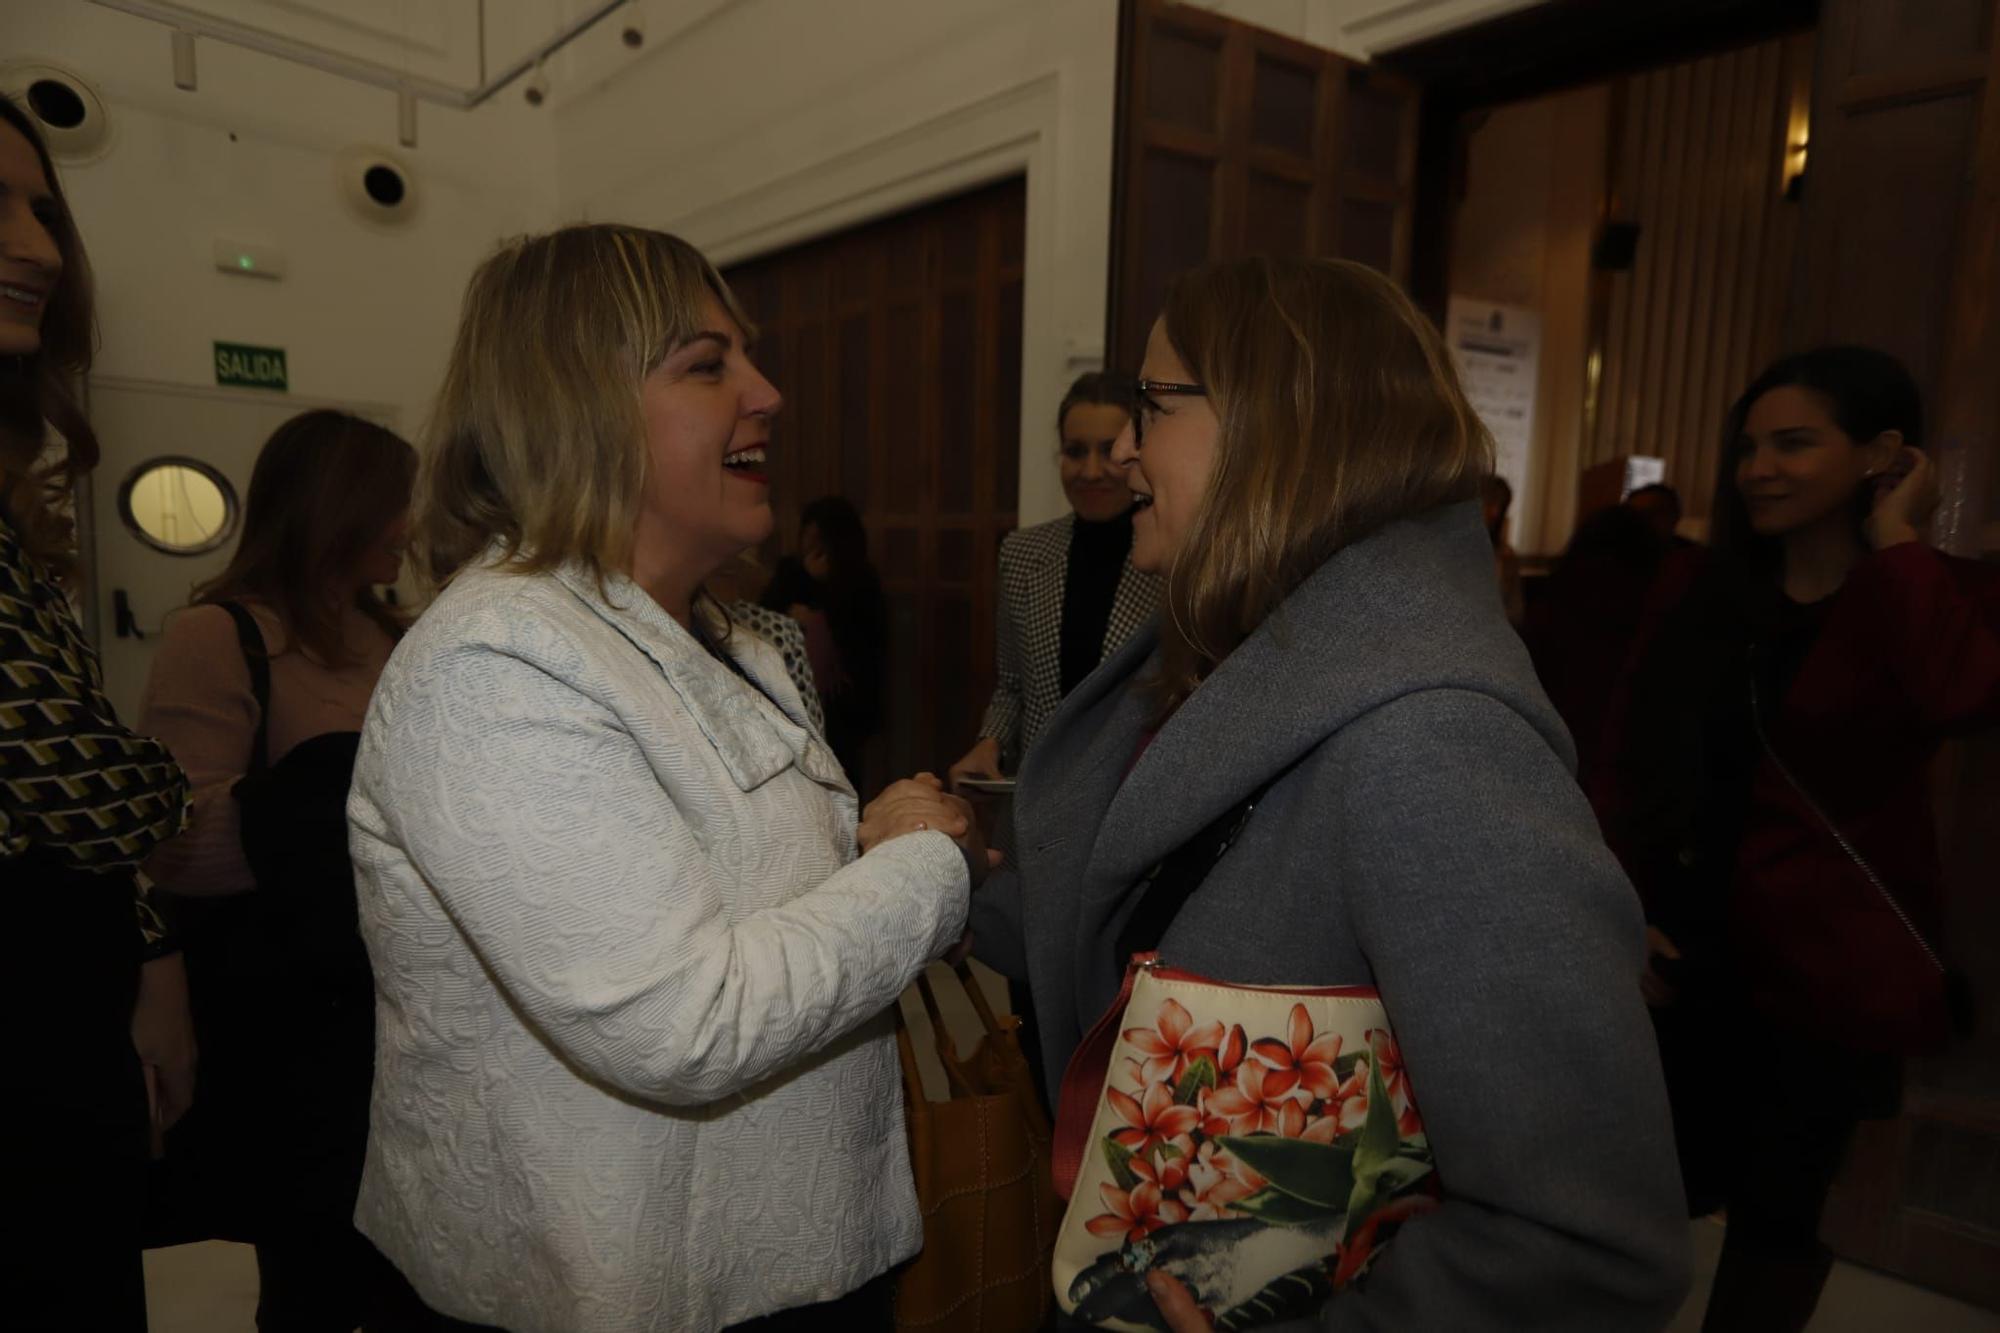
(1981, 578)
(1038, 540)
(1436, 749)
(199, 655)
(201, 623)
(508, 612)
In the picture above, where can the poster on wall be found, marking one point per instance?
(1497, 348)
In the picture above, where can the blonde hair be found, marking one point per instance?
(1339, 413)
(537, 440)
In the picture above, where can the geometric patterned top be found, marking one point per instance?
(73, 782)
(789, 638)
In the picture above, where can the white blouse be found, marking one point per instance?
(635, 1068)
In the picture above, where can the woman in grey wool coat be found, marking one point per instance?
(1331, 644)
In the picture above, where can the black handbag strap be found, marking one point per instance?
(258, 658)
(1173, 881)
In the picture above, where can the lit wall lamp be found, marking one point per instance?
(184, 61)
(1798, 133)
(1795, 166)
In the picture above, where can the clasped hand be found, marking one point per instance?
(918, 805)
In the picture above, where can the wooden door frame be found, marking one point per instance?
(1325, 173)
(1015, 131)
(1550, 47)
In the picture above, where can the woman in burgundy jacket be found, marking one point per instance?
(1768, 792)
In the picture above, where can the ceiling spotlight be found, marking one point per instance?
(537, 91)
(632, 24)
(184, 61)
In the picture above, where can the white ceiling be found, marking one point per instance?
(440, 40)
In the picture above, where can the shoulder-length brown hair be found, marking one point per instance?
(326, 487)
(1340, 413)
(37, 391)
(537, 442)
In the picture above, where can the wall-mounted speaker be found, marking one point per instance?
(66, 108)
(378, 186)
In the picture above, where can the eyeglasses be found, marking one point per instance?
(1148, 390)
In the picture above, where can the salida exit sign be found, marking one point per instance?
(248, 367)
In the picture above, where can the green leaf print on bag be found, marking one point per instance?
(1314, 1173)
(1200, 1077)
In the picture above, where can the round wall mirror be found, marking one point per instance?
(179, 506)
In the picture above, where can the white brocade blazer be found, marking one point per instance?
(635, 1068)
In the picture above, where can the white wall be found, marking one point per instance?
(366, 314)
(746, 125)
(772, 121)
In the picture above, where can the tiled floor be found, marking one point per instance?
(213, 1289)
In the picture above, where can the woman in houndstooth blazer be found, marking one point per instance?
(1068, 593)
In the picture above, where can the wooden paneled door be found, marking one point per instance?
(1233, 140)
(1901, 249)
(897, 345)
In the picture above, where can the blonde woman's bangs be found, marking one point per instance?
(536, 443)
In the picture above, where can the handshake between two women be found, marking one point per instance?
(922, 805)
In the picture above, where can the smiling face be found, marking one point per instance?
(1168, 453)
(1796, 467)
(1094, 484)
(707, 413)
(30, 262)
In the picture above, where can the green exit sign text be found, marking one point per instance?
(251, 367)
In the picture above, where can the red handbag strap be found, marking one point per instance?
(1083, 1081)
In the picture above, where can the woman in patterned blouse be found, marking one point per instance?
(94, 990)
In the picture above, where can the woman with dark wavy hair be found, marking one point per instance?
(94, 987)
(1771, 798)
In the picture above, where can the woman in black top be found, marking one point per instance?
(1068, 593)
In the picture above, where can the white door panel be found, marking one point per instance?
(138, 421)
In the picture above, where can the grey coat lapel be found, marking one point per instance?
(1068, 781)
(1414, 606)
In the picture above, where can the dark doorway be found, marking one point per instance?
(897, 345)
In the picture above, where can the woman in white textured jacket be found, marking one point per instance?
(635, 1067)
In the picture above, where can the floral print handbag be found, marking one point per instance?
(1261, 1144)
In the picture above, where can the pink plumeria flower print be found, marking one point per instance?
(1309, 1060)
(1152, 1119)
(1174, 1043)
(1347, 1108)
(1167, 1166)
(1216, 1181)
(1260, 1100)
(1135, 1213)
(1397, 1079)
